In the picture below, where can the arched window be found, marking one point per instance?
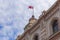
(36, 37)
(55, 26)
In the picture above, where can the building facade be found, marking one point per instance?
(47, 27)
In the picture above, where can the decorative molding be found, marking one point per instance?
(51, 14)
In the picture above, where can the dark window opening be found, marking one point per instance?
(55, 26)
(36, 37)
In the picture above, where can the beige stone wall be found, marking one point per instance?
(44, 28)
(33, 33)
(49, 22)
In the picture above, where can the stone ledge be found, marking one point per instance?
(53, 35)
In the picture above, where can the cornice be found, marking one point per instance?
(53, 7)
(54, 35)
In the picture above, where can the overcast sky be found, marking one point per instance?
(14, 15)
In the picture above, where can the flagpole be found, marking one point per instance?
(33, 12)
(32, 8)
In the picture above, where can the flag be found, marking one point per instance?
(30, 7)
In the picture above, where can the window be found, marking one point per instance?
(55, 26)
(36, 37)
